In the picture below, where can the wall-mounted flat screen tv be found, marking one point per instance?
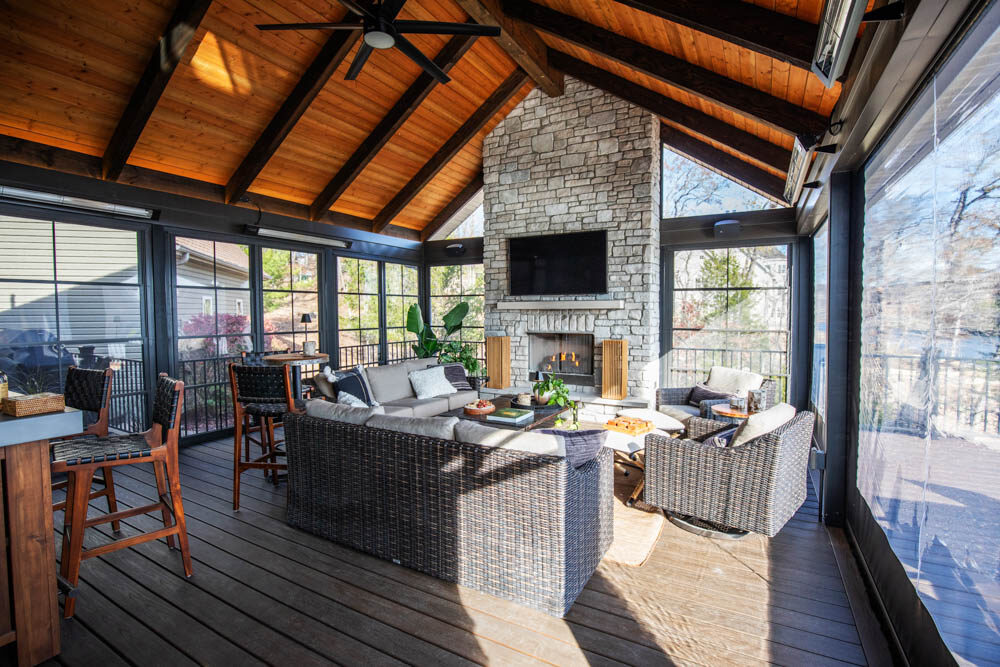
(574, 263)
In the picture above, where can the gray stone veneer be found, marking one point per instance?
(583, 161)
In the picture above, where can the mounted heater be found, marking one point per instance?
(837, 29)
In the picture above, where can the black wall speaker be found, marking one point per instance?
(727, 229)
(454, 249)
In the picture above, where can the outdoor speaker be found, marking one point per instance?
(727, 229)
(454, 249)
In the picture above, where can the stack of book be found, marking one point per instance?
(510, 416)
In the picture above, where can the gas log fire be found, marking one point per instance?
(567, 356)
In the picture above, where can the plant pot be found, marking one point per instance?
(543, 399)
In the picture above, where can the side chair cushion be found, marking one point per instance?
(701, 392)
(733, 381)
(660, 420)
(97, 450)
(431, 382)
(761, 423)
(432, 427)
(341, 413)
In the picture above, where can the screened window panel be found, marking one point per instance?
(28, 248)
(821, 279)
(78, 245)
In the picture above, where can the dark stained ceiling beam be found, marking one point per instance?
(521, 43)
(388, 126)
(737, 97)
(313, 79)
(166, 56)
(753, 177)
(770, 33)
(453, 207)
(487, 110)
(669, 109)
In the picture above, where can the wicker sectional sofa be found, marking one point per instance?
(526, 527)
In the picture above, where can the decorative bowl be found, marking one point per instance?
(471, 409)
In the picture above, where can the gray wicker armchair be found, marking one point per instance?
(680, 396)
(756, 486)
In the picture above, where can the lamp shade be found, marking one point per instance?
(306, 318)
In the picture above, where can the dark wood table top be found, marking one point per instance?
(544, 417)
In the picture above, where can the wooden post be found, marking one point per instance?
(498, 361)
(614, 370)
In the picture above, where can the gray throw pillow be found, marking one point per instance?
(701, 393)
(455, 374)
(581, 446)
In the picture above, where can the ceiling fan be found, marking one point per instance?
(383, 31)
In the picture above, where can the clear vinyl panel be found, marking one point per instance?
(929, 443)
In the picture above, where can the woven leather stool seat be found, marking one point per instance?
(96, 450)
(270, 409)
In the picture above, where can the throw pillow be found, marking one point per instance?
(733, 381)
(700, 393)
(721, 439)
(350, 400)
(331, 375)
(324, 386)
(432, 427)
(661, 421)
(581, 446)
(431, 382)
(761, 423)
(474, 433)
(455, 373)
(355, 383)
(339, 412)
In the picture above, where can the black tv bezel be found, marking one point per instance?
(510, 291)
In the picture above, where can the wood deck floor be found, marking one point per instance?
(263, 592)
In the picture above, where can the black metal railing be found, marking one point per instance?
(689, 366)
(208, 402)
(129, 395)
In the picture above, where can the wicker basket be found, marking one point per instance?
(24, 405)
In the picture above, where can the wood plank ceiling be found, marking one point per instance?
(189, 91)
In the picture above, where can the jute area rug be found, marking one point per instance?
(636, 528)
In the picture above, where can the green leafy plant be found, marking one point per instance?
(556, 390)
(427, 344)
(465, 354)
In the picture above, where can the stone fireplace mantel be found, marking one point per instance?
(588, 304)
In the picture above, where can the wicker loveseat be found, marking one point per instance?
(756, 486)
(675, 401)
(525, 527)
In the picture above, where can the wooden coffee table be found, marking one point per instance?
(544, 417)
(723, 410)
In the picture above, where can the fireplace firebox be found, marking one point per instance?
(569, 356)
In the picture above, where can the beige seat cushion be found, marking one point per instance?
(432, 427)
(661, 420)
(389, 383)
(462, 398)
(339, 412)
(680, 412)
(398, 410)
(423, 407)
(761, 423)
(733, 381)
(536, 443)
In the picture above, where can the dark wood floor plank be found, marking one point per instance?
(82, 647)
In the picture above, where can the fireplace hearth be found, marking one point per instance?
(569, 356)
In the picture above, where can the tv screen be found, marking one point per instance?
(559, 264)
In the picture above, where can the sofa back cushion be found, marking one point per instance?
(389, 382)
(432, 427)
(476, 433)
(733, 381)
(339, 412)
(761, 423)
(431, 382)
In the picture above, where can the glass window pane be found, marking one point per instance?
(277, 268)
(195, 261)
(393, 279)
(369, 312)
(369, 336)
(446, 280)
(690, 189)
(305, 303)
(279, 342)
(411, 281)
(368, 276)
(347, 275)
(395, 311)
(305, 270)
(95, 312)
(77, 246)
(26, 246)
(349, 311)
(440, 306)
(277, 311)
(234, 315)
(232, 265)
(27, 313)
(195, 312)
(472, 279)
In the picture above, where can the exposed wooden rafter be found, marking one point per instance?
(669, 109)
(521, 43)
(167, 54)
(453, 207)
(447, 58)
(315, 77)
(487, 110)
(737, 97)
(771, 33)
(756, 179)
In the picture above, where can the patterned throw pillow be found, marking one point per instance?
(355, 383)
(455, 373)
(701, 393)
(581, 446)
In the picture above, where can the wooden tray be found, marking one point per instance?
(480, 411)
(629, 425)
(33, 404)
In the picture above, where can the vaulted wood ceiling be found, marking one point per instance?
(191, 89)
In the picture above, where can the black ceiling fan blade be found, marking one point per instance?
(439, 28)
(358, 8)
(359, 61)
(407, 47)
(391, 8)
(356, 25)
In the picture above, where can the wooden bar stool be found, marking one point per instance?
(80, 458)
(263, 393)
(90, 390)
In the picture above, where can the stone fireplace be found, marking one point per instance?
(583, 161)
(569, 356)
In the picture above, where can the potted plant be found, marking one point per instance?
(552, 391)
(427, 344)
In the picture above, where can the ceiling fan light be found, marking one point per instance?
(379, 40)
